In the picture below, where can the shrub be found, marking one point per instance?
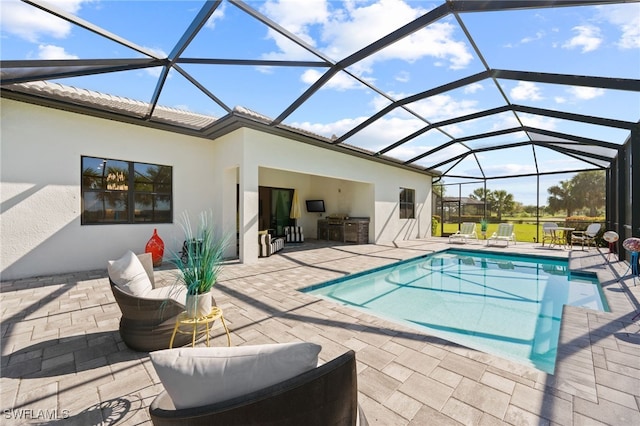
(581, 223)
(435, 221)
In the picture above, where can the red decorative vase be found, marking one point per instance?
(155, 246)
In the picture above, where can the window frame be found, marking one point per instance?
(128, 191)
(407, 203)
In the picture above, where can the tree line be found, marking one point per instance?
(585, 190)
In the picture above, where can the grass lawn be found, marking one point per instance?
(523, 231)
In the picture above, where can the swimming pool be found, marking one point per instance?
(506, 305)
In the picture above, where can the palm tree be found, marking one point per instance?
(562, 197)
(151, 183)
(502, 201)
(482, 195)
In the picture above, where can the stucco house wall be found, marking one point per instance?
(40, 188)
(41, 175)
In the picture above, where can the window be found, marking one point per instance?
(407, 197)
(111, 187)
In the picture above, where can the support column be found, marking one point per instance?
(619, 187)
(230, 211)
(634, 179)
(248, 209)
(538, 207)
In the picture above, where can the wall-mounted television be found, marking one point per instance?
(315, 206)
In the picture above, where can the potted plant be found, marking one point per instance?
(199, 264)
(483, 227)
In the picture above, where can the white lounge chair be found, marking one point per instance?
(587, 237)
(504, 233)
(467, 230)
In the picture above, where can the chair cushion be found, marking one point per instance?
(176, 292)
(129, 275)
(194, 377)
(147, 262)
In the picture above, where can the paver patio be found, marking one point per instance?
(63, 359)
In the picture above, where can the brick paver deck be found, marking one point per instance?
(62, 356)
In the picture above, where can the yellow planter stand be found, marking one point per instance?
(186, 325)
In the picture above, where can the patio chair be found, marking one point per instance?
(269, 245)
(467, 230)
(548, 233)
(504, 233)
(148, 312)
(316, 395)
(587, 236)
(293, 234)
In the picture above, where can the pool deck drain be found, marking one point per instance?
(62, 354)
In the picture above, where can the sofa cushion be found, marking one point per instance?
(129, 275)
(194, 377)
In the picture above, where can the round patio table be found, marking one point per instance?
(561, 236)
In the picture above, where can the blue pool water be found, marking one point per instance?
(507, 305)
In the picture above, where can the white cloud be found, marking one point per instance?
(217, 15)
(440, 107)
(526, 91)
(384, 132)
(435, 108)
(339, 127)
(627, 18)
(380, 134)
(156, 71)
(407, 151)
(298, 18)
(473, 88)
(379, 102)
(434, 41)
(403, 77)
(538, 36)
(538, 121)
(340, 81)
(441, 156)
(507, 121)
(287, 49)
(588, 38)
(560, 100)
(340, 32)
(157, 51)
(48, 51)
(585, 93)
(31, 24)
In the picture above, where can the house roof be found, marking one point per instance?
(463, 200)
(437, 124)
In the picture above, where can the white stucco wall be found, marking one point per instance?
(40, 188)
(41, 151)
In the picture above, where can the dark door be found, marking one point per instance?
(274, 209)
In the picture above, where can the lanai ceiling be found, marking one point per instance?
(467, 89)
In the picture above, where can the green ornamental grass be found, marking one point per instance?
(200, 262)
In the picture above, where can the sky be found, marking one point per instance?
(585, 40)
